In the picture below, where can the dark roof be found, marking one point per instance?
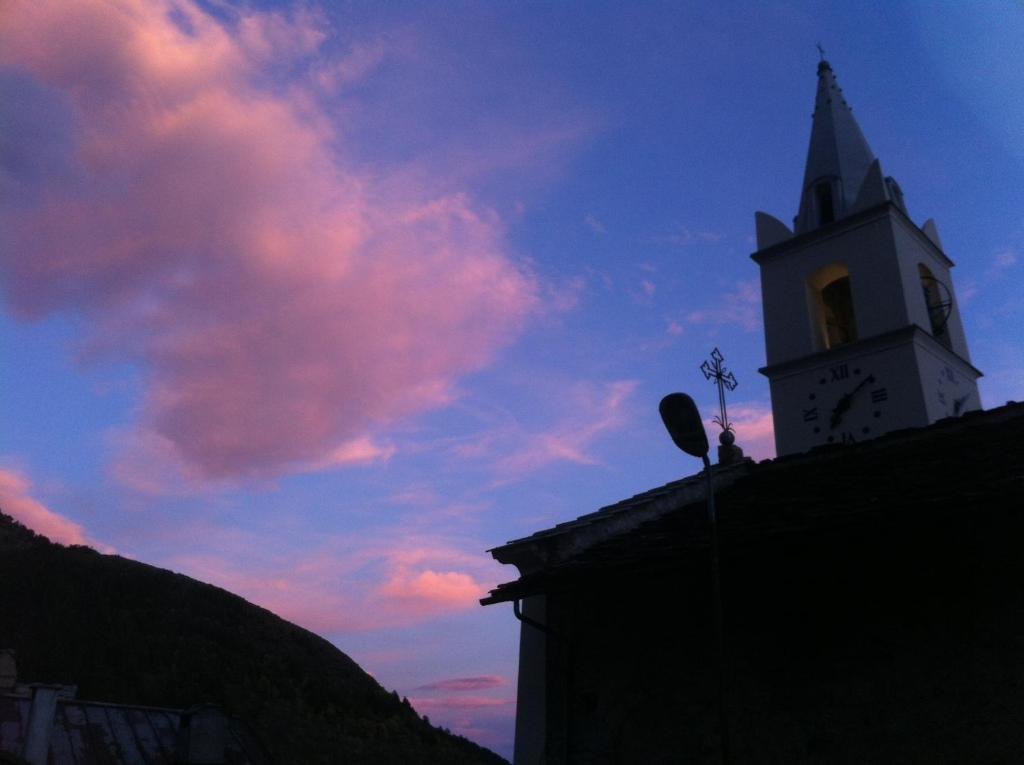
(550, 546)
(95, 733)
(955, 465)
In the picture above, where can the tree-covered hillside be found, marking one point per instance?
(127, 632)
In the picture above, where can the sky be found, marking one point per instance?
(319, 302)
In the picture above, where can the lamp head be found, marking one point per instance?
(682, 420)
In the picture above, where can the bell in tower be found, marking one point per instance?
(863, 332)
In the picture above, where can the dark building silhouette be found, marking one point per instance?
(45, 724)
(873, 610)
(871, 576)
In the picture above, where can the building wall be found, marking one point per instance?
(913, 248)
(530, 693)
(804, 397)
(631, 676)
(866, 249)
(888, 642)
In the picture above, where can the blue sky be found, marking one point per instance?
(319, 302)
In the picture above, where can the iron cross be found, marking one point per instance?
(713, 370)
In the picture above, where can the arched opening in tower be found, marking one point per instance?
(823, 198)
(939, 302)
(833, 319)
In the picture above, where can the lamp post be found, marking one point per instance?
(682, 420)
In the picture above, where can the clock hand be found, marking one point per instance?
(862, 383)
(844, 403)
(839, 410)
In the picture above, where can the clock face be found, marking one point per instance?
(952, 392)
(845, 404)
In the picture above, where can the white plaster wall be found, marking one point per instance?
(531, 693)
(795, 393)
(911, 250)
(922, 380)
(876, 286)
(944, 380)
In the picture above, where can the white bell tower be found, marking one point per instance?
(862, 328)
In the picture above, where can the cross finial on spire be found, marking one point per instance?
(714, 370)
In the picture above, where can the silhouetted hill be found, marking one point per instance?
(127, 632)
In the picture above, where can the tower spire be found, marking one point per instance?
(838, 157)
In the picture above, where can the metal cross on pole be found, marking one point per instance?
(714, 370)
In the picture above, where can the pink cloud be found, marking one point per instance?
(1001, 261)
(457, 702)
(392, 579)
(754, 428)
(594, 224)
(210, 226)
(357, 63)
(741, 305)
(362, 450)
(430, 587)
(17, 501)
(682, 236)
(485, 719)
(418, 494)
(147, 462)
(565, 296)
(464, 683)
(595, 410)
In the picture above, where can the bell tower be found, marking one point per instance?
(862, 328)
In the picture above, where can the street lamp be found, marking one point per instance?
(682, 420)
